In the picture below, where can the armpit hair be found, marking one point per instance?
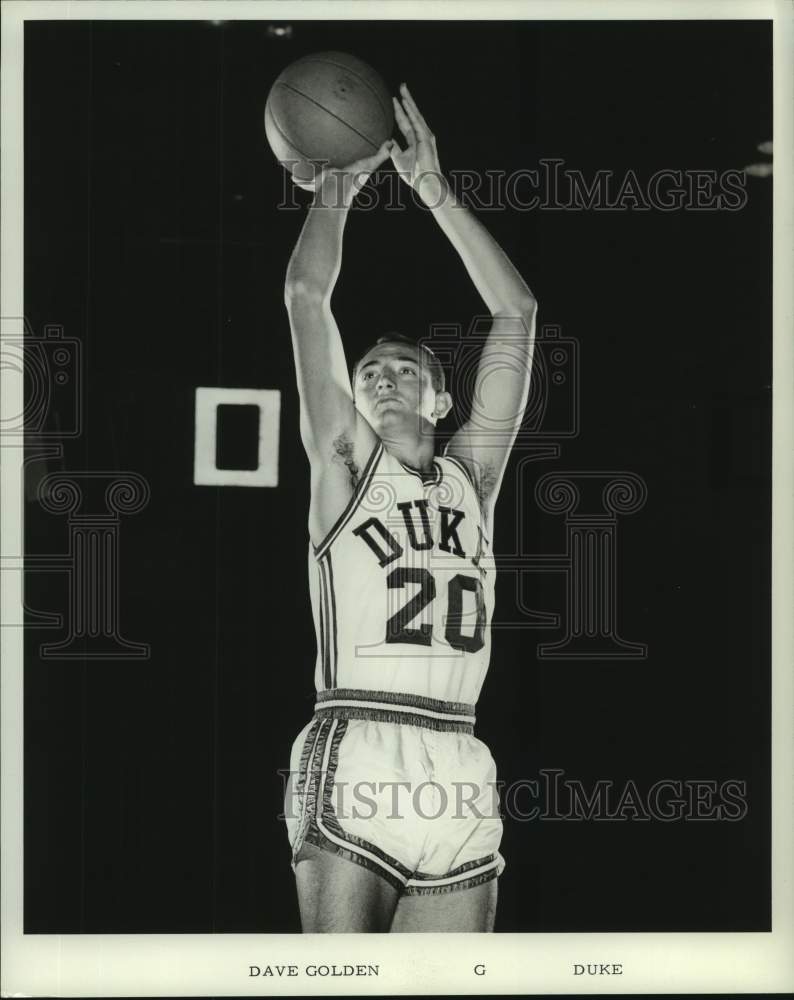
(484, 477)
(343, 450)
(486, 481)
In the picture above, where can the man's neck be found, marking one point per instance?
(414, 451)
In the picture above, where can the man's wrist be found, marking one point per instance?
(335, 190)
(432, 188)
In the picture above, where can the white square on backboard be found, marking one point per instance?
(205, 471)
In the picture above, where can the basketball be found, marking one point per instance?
(329, 108)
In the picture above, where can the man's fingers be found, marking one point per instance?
(418, 128)
(377, 158)
(396, 148)
(413, 112)
(362, 168)
(403, 122)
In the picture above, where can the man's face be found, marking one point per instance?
(393, 387)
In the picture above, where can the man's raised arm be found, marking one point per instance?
(326, 400)
(501, 385)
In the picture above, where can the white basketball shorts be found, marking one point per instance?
(399, 784)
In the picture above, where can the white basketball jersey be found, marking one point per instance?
(402, 587)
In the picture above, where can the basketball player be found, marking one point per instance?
(391, 814)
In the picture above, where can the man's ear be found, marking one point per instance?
(442, 405)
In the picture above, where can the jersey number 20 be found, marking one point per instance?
(398, 629)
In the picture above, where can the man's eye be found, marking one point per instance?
(410, 370)
(367, 376)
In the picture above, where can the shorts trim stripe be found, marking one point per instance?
(319, 825)
(398, 699)
(389, 706)
(318, 816)
(331, 821)
(368, 713)
(470, 870)
(306, 782)
(386, 707)
(358, 493)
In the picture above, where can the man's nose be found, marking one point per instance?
(385, 379)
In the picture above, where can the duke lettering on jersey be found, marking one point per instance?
(402, 588)
(376, 535)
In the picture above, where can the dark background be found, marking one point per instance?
(152, 236)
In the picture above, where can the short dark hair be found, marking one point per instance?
(432, 362)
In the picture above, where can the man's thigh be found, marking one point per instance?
(338, 896)
(457, 910)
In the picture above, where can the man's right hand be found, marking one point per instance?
(336, 187)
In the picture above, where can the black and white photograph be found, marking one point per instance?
(396, 498)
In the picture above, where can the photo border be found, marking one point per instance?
(529, 963)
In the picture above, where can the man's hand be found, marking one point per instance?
(418, 164)
(336, 187)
